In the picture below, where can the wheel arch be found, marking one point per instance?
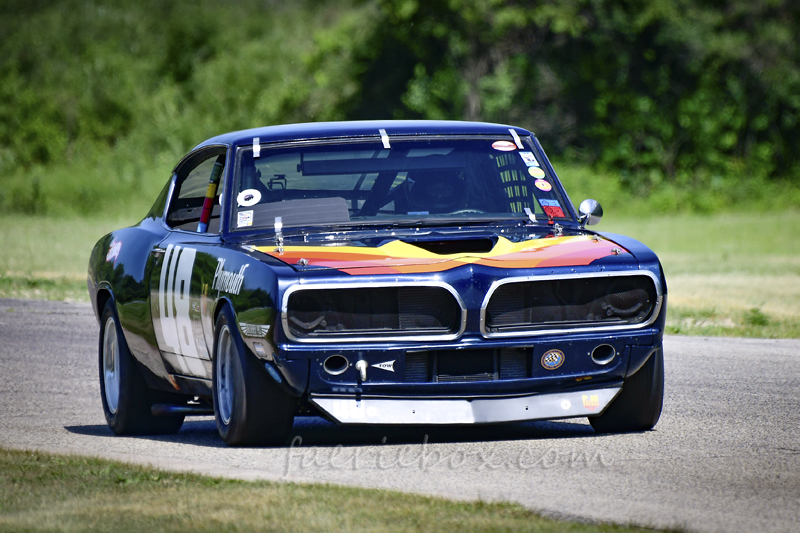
(104, 294)
(639, 357)
(218, 306)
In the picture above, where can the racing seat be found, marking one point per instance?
(432, 192)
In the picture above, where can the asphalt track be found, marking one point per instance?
(724, 457)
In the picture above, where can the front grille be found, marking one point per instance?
(459, 366)
(514, 363)
(574, 302)
(417, 367)
(372, 312)
(465, 366)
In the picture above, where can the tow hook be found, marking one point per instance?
(361, 366)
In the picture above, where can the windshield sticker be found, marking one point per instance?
(551, 208)
(384, 139)
(245, 218)
(536, 172)
(504, 146)
(248, 197)
(529, 159)
(543, 185)
(517, 140)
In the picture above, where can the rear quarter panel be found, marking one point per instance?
(119, 267)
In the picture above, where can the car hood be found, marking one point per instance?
(404, 257)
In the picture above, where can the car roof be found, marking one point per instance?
(365, 128)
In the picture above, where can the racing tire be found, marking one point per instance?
(126, 398)
(638, 406)
(249, 408)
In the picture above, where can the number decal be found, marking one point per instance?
(173, 299)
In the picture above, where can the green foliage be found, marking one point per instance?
(755, 317)
(692, 105)
(695, 92)
(675, 95)
(98, 100)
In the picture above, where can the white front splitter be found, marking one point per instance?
(475, 411)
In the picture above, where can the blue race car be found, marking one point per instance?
(387, 272)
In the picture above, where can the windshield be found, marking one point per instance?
(420, 179)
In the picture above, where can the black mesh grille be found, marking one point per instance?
(375, 312)
(417, 367)
(514, 363)
(462, 366)
(531, 305)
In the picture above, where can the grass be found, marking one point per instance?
(56, 288)
(47, 257)
(40, 492)
(729, 274)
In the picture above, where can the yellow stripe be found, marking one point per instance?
(402, 250)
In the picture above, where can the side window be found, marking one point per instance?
(190, 192)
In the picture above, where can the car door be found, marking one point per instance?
(181, 266)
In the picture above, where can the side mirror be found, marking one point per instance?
(591, 212)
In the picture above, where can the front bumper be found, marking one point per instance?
(466, 411)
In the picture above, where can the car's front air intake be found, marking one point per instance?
(374, 313)
(532, 305)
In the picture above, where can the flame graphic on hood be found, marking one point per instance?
(398, 257)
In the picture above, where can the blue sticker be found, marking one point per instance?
(529, 159)
(549, 203)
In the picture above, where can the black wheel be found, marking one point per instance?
(126, 397)
(249, 407)
(638, 406)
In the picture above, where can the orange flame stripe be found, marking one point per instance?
(397, 257)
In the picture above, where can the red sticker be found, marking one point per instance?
(553, 212)
(504, 146)
(543, 185)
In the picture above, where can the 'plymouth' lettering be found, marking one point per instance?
(228, 281)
